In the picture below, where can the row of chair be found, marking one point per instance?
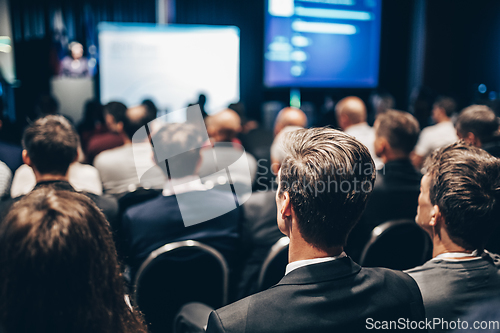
(189, 271)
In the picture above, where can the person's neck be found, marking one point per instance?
(126, 139)
(442, 120)
(49, 177)
(299, 249)
(394, 156)
(443, 244)
(353, 125)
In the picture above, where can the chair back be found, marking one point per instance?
(176, 274)
(398, 244)
(274, 266)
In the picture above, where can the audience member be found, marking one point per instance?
(351, 117)
(323, 289)
(114, 112)
(118, 166)
(5, 180)
(259, 231)
(159, 221)
(459, 206)
(289, 116)
(439, 135)
(10, 154)
(92, 123)
(223, 127)
(50, 146)
(398, 183)
(59, 271)
(478, 125)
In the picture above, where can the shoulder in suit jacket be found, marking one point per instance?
(334, 296)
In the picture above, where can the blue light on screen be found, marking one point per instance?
(322, 43)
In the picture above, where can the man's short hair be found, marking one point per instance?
(446, 103)
(329, 176)
(465, 185)
(52, 144)
(400, 129)
(479, 120)
(117, 110)
(184, 138)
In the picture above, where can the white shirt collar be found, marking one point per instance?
(183, 185)
(301, 263)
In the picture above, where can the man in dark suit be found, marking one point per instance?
(165, 218)
(398, 183)
(323, 185)
(50, 146)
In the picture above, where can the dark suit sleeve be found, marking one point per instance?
(214, 323)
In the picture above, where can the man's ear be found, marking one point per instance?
(119, 126)
(436, 217)
(473, 140)
(380, 144)
(26, 158)
(286, 208)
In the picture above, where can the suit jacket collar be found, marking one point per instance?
(326, 271)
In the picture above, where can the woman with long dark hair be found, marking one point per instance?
(59, 270)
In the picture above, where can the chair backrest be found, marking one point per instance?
(176, 274)
(398, 244)
(274, 266)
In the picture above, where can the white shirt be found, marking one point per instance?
(5, 178)
(434, 137)
(365, 134)
(183, 185)
(82, 177)
(301, 263)
(118, 168)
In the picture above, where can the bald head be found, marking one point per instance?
(289, 116)
(223, 126)
(350, 111)
(135, 118)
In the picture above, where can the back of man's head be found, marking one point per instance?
(183, 141)
(350, 111)
(479, 120)
(223, 126)
(465, 185)
(51, 144)
(329, 176)
(289, 116)
(447, 104)
(399, 128)
(135, 118)
(116, 111)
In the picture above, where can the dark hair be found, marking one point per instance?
(52, 144)
(117, 110)
(60, 271)
(132, 124)
(400, 129)
(479, 120)
(185, 138)
(151, 109)
(329, 176)
(448, 104)
(465, 185)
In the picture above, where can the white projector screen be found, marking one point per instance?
(170, 64)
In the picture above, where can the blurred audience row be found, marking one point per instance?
(118, 162)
